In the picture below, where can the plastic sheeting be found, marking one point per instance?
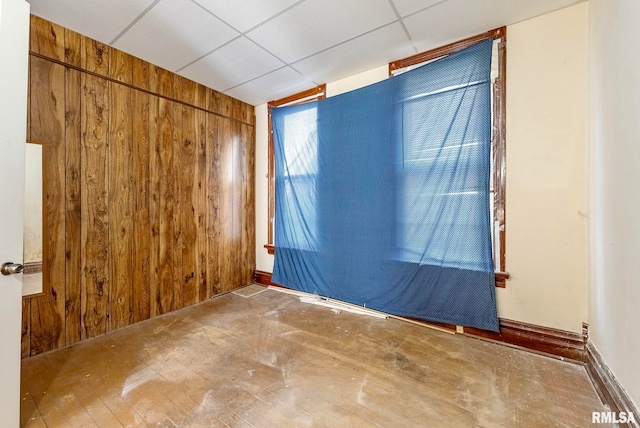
(382, 194)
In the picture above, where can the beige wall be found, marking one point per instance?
(614, 85)
(546, 169)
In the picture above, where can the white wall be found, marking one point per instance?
(614, 90)
(546, 248)
(546, 169)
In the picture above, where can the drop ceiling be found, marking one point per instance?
(262, 50)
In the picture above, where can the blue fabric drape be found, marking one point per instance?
(382, 194)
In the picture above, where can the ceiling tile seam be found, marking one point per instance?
(256, 78)
(292, 64)
(241, 34)
(134, 22)
(343, 42)
(423, 9)
(404, 27)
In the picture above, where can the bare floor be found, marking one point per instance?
(271, 361)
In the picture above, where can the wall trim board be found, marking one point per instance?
(137, 88)
(549, 341)
(607, 386)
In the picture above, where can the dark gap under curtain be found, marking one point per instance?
(382, 194)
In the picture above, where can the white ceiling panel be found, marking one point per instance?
(273, 86)
(243, 15)
(98, 19)
(406, 7)
(352, 57)
(457, 19)
(318, 24)
(235, 63)
(174, 33)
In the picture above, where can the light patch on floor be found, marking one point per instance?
(250, 290)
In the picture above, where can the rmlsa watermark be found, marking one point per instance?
(612, 418)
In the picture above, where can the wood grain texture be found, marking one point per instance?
(202, 208)
(120, 164)
(141, 221)
(226, 205)
(47, 38)
(95, 214)
(25, 347)
(47, 123)
(73, 212)
(154, 207)
(72, 48)
(121, 66)
(135, 189)
(249, 241)
(213, 205)
(166, 206)
(177, 183)
(188, 169)
(95, 56)
(140, 73)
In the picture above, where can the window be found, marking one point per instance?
(498, 136)
(314, 94)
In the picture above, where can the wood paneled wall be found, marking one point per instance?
(149, 189)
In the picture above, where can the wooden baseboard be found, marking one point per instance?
(557, 343)
(609, 389)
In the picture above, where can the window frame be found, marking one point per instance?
(498, 134)
(499, 127)
(313, 94)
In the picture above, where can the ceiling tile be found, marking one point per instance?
(233, 64)
(318, 24)
(406, 7)
(174, 33)
(273, 86)
(456, 19)
(100, 20)
(242, 15)
(366, 52)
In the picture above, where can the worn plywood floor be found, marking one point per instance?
(272, 361)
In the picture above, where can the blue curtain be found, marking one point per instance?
(382, 194)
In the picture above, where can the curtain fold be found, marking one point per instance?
(382, 194)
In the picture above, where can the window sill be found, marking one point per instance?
(501, 277)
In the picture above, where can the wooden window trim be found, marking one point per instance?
(499, 124)
(498, 142)
(313, 94)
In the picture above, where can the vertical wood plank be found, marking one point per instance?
(47, 127)
(164, 82)
(73, 219)
(120, 161)
(46, 38)
(95, 56)
(121, 66)
(188, 171)
(141, 212)
(238, 216)
(155, 174)
(226, 204)
(249, 209)
(213, 205)
(72, 48)
(25, 344)
(201, 96)
(177, 183)
(94, 200)
(166, 173)
(140, 73)
(202, 204)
